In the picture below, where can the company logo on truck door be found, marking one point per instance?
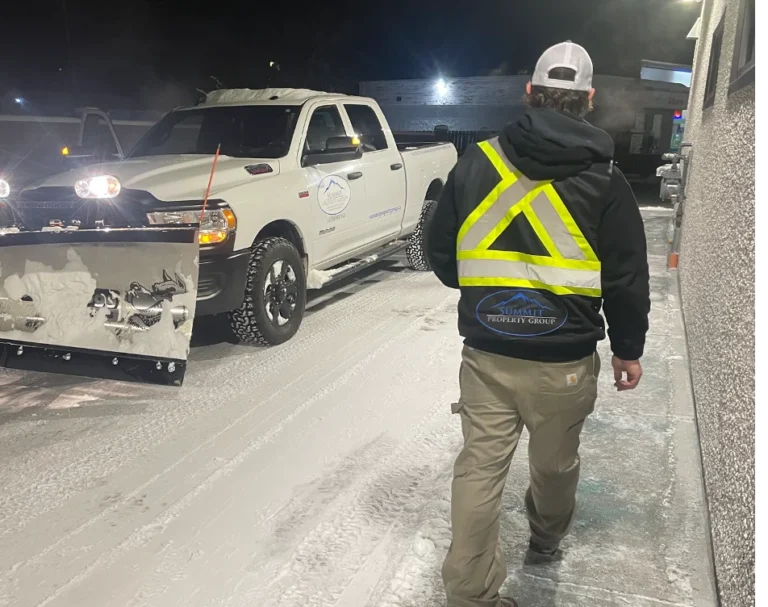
(521, 313)
(333, 194)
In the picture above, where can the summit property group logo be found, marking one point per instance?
(521, 313)
(333, 194)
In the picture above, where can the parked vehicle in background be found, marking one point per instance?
(31, 146)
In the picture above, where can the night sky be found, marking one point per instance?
(136, 45)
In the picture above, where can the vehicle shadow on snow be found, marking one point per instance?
(214, 330)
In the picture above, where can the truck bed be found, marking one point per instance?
(407, 147)
(427, 165)
(412, 141)
(460, 139)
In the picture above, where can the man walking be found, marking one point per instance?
(538, 229)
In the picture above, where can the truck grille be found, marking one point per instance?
(39, 205)
(36, 214)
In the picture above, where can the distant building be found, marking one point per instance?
(665, 72)
(658, 71)
(639, 114)
(717, 275)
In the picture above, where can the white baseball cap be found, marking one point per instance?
(564, 55)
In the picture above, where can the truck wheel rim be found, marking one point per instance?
(280, 293)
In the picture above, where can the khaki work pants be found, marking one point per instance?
(500, 395)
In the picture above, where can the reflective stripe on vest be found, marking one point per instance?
(571, 266)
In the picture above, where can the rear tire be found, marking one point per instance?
(275, 295)
(416, 252)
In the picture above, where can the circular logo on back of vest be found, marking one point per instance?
(521, 313)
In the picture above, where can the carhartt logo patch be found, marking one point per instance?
(571, 379)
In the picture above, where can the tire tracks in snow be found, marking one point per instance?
(387, 502)
(156, 526)
(16, 476)
(341, 317)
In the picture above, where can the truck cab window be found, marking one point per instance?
(249, 131)
(182, 136)
(325, 123)
(367, 126)
(97, 135)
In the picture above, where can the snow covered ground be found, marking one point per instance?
(318, 473)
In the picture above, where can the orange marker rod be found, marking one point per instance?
(210, 182)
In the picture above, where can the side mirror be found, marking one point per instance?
(342, 144)
(83, 155)
(78, 152)
(337, 149)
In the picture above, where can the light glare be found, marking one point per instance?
(103, 186)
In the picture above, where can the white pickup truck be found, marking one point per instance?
(308, 187)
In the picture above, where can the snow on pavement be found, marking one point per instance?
(318, 473)
(291, 476)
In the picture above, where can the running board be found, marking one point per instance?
(319, 279)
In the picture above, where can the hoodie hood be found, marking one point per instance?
(545, 144)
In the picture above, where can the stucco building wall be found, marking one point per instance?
(717, 274)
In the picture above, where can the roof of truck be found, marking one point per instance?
(281, 96)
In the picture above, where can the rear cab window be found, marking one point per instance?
(367, 127)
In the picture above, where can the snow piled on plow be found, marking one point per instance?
(61, 297)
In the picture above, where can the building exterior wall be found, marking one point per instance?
(628, 109)
(484, 103)
(717, 264)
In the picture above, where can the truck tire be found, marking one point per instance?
(275, 295)
(416, 252)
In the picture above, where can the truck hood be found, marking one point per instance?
(173, 178)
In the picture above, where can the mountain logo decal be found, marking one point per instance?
(521, 313)
(333, 194)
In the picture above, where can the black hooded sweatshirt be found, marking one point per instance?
(547, 145)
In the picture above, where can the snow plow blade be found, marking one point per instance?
(110, 303)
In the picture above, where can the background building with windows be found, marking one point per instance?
(639, 113)
(717, 274)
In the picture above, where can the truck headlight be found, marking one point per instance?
(216, 226)
(103, 186)
(5, 188)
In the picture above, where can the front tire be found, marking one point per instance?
(275, 295)
(416, 252)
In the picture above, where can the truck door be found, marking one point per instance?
(382, 166)
(336, 191)
(98, 137)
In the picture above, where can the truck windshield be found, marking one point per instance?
(251, 131)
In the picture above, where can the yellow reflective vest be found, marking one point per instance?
(538, 249)
(570, 267)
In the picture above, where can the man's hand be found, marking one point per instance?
(632, 368)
